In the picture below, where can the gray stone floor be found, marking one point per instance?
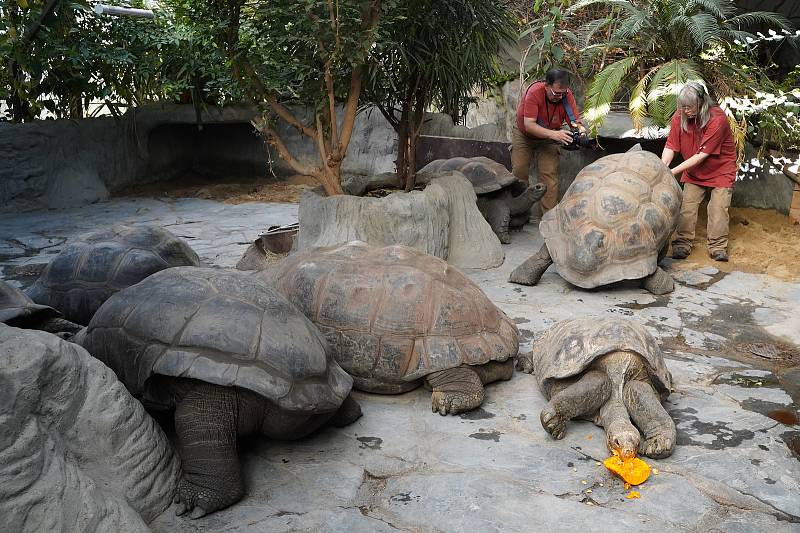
(400, 467)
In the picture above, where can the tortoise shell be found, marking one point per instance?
(85, 273)
(613, 220)
(16, 309)
(486, 175)
(570, 346)
(393, 314)
(222, 327)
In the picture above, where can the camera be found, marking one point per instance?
(578, 141)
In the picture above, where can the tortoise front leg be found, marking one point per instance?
(205, 421)
(581, 398)
(650, 416)
(455, 390)
(530, 272)
(497, 214)
(659, 282)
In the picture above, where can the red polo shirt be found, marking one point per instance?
(716, 140)
(535, 105)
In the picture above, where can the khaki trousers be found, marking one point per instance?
(717, 230)
(523, 149)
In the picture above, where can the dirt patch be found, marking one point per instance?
(231, 190)
(760, 241)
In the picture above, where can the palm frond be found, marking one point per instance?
(704, 28)
(720, 9)
(760, 17)
(665, 86)
(604, 88)
(631, 26)
(588, 30)
(638, 101)
(624, 4)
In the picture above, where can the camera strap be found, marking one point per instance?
(564, 103)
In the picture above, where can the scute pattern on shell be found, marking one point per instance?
(16, 308)
(86, 272)
(570, 346)
(222, 327)
(394, 313)
(613, 220)
(486, 175)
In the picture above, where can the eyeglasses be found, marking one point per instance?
(689, 108)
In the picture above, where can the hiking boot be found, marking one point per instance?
(720, 255)
(680, 252)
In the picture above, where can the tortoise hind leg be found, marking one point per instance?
(652, 419)
(348, 413)
(206, 426)
(580, 398)
(455, 390)
(530, 272)
(495, 371)
(659, 282)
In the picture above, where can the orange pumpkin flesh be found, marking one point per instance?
(633, 470)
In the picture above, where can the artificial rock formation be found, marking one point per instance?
(77, 452)
(442, 220)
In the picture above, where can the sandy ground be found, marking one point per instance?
(235, 190)
(761, 241)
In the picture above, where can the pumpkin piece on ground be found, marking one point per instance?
(634, 494)
(633, 471)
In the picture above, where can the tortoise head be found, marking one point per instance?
(622, 439)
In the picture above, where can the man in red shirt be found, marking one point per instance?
(701, 133)
(542, 111)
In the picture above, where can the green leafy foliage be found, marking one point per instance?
(62, 57)
(552, 42)
(670, 42)
(433, 53)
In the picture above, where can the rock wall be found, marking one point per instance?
(63, 163)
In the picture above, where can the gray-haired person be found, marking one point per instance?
(701, 133)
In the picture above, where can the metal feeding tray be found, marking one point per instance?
(279, 239)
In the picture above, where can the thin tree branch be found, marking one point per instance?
(350, 110)
(334, 142)
(274, 139)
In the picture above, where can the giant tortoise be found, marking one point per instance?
(396, 317)
(18, 310)
(232, 357)
(503, 200)
(607, 370)
(612, 224)
(86, 272)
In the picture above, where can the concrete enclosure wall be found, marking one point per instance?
(66, 162)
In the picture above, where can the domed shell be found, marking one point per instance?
(570, 346)
(394, 314)
(486, 175)
(85, 273)
(222, 327)
(613, 220)
(16, 309)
